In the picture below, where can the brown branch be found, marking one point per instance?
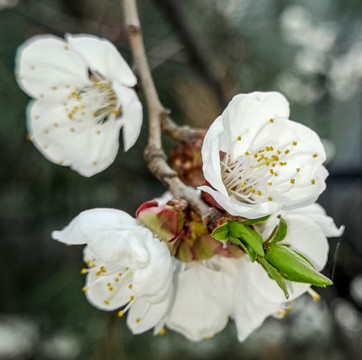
(179, 133)
(154, 154)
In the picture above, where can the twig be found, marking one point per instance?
(154, 154)
(179, 133)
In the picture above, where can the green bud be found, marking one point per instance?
(294, 267)
(248, 236)
(255, 221)
(221, 233)
(248, 250)
(274, 275)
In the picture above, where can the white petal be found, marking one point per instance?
(306, 237)
(251, 307)
(199, 307)
(316, 213)
(155, 280)
(211, 156)
(98, 293)
(247, 114)
(45, 61)
(102, 56)
(237, 208)
(132, 117)
(148, 314)
(113, 235)
(88, 148)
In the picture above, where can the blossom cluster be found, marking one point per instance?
(166, 268)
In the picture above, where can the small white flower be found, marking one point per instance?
(128, 267)
(257, 295)
(83, 96)
(257, 161)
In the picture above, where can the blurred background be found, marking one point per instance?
(201, 53)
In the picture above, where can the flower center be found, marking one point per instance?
(250, 177)
(96, 101)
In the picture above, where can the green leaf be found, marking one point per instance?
(247, 235)
(254, 221)
(274, 274)
(221, 233)
(281, 232)
(249, 251)
(294, 267)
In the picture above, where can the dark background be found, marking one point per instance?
(201, 53)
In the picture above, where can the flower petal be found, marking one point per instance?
(113, 235)
(131, 120)
(316, 213)
(199, 309)
(211, 156)
(155, 280)
(251, 307)
(144, 315)
(45, 61)
(102, 56)
(87, 148)
(247, 114)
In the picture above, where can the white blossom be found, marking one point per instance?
(127, 267)
(83, 96)
(257, 161)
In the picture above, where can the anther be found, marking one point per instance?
(270, 198)
(251, 190)
(162, 331)
(84, 289)
(295, 143)
(298, 169)
(239, 138)
(315, 155)
(242, 185)
(314, 294)
(258, 192)
(313, 181)
(83, 271)
(287, 151)
(130, 286)
(271, 120)
(292, 181)
(131, 298)
(120, 313)
(270, 183)
(102, 269)
(289, 308)
(282, 313)
(247, 153)
(138, 320)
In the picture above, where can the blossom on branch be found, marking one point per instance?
(256, 161)
(127, 267)
(83, 96)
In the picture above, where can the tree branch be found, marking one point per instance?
(154, 154)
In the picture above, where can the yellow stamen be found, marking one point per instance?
(84, 289)
(120, 313)
(292, 181)
(239, 138)
(83, 271)
(162, 331)
(270, 198)
(314, 294)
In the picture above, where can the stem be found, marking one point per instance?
(154, 154)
